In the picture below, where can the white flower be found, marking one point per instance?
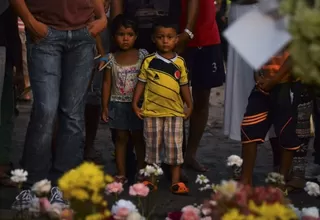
(228, 188)
(207, 187)
(148, 170)
(135, 216)
(123, 204)
(158, 171)
(313, 189)
(202, 179)
(234, 160)
(19, 175)
(310, 212)
(275, 178)
(42, 187)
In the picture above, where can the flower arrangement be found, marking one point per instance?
(84, 187)
(304, 25)
(233, 201)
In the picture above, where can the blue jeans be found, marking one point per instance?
(60, 67)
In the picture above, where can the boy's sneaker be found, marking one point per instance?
(57, 198)
(23, 200)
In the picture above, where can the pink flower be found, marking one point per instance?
(114, 188)
(190, 213)
(44, 205)
(139, 189)
(122, 213)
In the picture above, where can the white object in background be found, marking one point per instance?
(257, 37)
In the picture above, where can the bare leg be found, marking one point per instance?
(276, 150)
(286, 162)
(175, 174)
(198, 122)
(140, 149)
(121, 151)
(249, 154)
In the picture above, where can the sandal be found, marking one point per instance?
(150, 185)
(121, 179)
(179, 189)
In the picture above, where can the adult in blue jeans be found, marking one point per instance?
(60, 46)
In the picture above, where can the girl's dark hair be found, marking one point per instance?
(125, 21)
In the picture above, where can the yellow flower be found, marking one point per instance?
(104, 203)
(233, 214)
(109, 179)
(96, 216)
(96, 199)
(107, 213)
(79, 194)
(272, 211)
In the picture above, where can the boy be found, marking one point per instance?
(274, 100)
(163, 80)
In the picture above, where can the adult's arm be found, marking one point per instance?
(192, 14)
(116, 8)
(99, 11)
(23, 12)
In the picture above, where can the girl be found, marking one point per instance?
(119, 82)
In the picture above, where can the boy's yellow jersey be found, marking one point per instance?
(163, 79)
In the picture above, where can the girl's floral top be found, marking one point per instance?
(124, 78)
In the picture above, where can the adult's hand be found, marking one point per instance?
(37, 29)
(184, 39)
(96, 26)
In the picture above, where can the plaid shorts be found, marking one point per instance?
(169, 130)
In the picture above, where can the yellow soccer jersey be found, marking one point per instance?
(163, 79)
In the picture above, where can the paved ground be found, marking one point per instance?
(214, 149)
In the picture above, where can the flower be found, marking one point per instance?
(45, 205)
(139, 189)
(148, 170)
(234, 160)
(95, 216)
(310, 212)
(19, 175)
(122, 213)
(158, 171)
(275, 178)
(202, 179)
(114, 188)
(190, 213)
(42, 187)
(123, 204)
(313, 189)
(134, 216)
(207, 187)
(228, 188)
